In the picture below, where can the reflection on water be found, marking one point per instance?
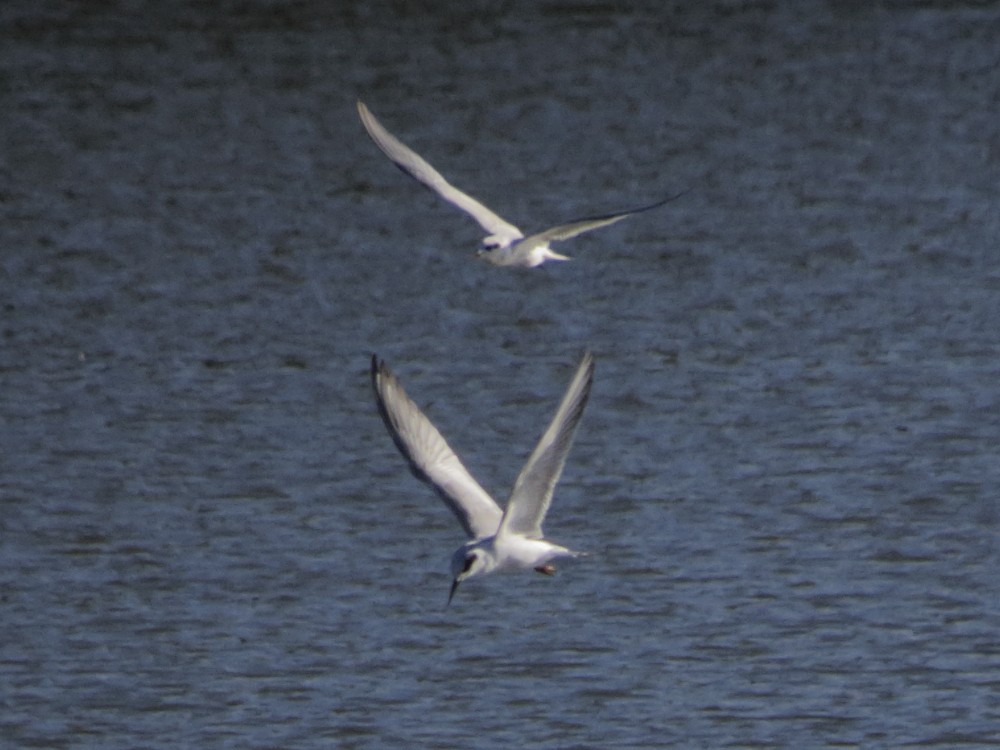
(786, 474)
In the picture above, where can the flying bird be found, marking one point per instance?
(509, 539)
(506, 244)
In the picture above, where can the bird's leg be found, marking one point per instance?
(549, 570)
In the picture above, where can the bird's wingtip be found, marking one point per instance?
(379, 369)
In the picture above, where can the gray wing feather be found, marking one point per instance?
(574, 228)
(410, 162)
(431, 459)
(532, 494)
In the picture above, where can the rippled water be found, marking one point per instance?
(787, 474)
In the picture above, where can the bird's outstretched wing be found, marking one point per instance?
(502, 232)
(532, 492)
(574, 228)
(431, 459)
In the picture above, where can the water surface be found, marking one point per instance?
(787, 475)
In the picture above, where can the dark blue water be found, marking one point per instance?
(787, 475)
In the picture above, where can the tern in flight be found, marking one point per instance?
(506, 245)
(511, 539)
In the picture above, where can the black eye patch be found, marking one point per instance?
(468, 563)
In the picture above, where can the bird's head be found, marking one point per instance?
(465, 563)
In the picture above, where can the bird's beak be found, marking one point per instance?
(454, 587)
